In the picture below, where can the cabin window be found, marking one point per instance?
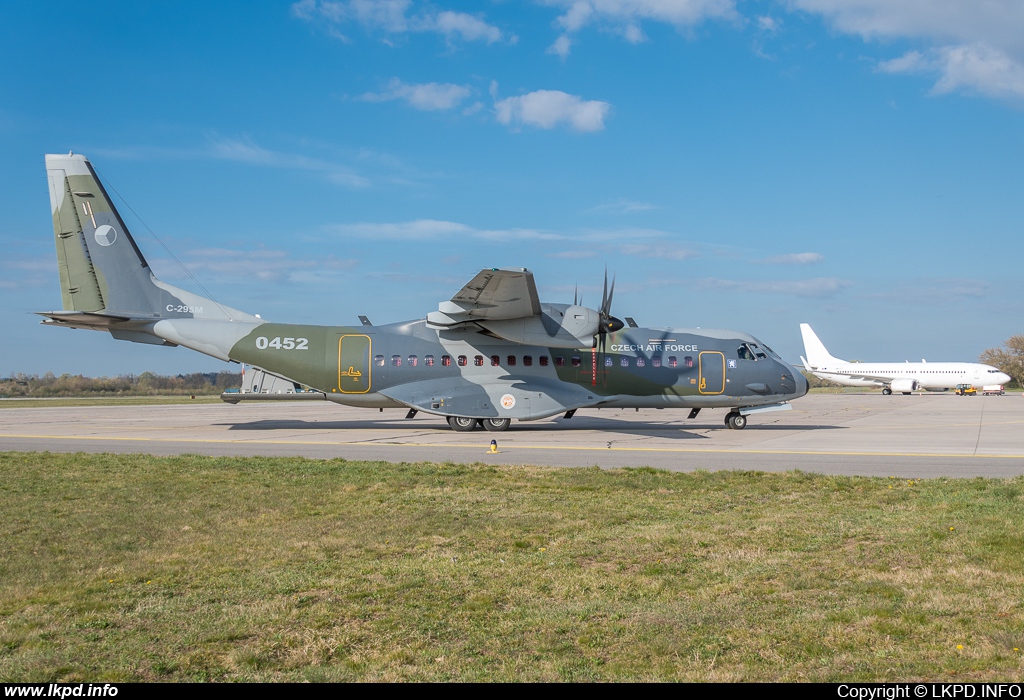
(510, 360)
(543, 360)
(413, 360)
(688, 361)
(378, 360)
(462, 360)
(428, 360)
(656, 361)
(559, 361)
(575, 361)
(495, 360)
(527, 360)
(446, 361)
(624, 362)
(608, 362)
(672, 361)
(396, 360)
(478, 360)
(640, 362)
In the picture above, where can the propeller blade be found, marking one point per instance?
(604, 294)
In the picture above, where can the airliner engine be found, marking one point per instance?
(904, 385)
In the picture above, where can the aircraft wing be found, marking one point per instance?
(492, 295)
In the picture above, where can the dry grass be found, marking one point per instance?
(193, 568)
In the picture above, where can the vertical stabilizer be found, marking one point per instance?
(817, 355)
(101, 267)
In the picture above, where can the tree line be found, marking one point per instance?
(145, 384)
(1009, 358)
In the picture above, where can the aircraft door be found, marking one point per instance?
(711, 371)
(354, 366)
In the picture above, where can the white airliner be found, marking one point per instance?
(904, 377)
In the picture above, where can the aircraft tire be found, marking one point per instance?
(461, 424)
(886, 391)
(737, 421)
(496, 425)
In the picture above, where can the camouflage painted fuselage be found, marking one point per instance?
(410, 364)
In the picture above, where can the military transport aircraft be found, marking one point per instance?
(492, 353)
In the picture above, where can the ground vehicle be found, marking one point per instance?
(992, 390)
(966, 390)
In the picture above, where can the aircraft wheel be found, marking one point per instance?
(461, 424)
(496, 425)
(886, 391)
(737, 421)
(728, 419)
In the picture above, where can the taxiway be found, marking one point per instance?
(858, 434)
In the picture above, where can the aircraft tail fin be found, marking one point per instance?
(817, 355)
(102, 270)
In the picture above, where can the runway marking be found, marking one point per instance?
(507, 447)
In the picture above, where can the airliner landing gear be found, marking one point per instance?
(461, 424)
(496, 425)
(735, 421)
(886, 391)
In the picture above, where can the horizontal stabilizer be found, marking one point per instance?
(93, 320)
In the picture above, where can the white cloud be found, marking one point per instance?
(248, 152)
(793, 259)
(976, 46)
(574, 254)
(561, 46)
(624, 17)
(425, 96)
(817, 288)
(768, 24)
(547, 109)
(970, 68)
(467, 26)
(432, 229)
(392, 17)
(660, 251)
(262, 265)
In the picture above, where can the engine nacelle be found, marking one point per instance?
(903, 385)
(558, 325)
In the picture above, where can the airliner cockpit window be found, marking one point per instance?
(758, 352)
(744, 352)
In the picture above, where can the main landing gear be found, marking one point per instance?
(886, 391)
(462, 424)
(735, 421)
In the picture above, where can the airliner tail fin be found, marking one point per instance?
(817, 355)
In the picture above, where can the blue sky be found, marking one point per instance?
(854, 164)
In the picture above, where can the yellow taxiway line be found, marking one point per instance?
(507, 446)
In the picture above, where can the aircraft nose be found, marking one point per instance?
(802, 385)
(1004, 378)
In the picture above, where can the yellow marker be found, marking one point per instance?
(493, 448)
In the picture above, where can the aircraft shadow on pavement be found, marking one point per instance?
(673, 430)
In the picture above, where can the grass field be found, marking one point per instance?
(128, 567)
